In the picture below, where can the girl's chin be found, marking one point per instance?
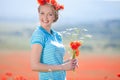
(45, 25)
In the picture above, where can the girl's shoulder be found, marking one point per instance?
(38, 32)
(38, 37)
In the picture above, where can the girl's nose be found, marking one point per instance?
(46, 17)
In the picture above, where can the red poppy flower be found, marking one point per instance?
(118, 75)
(78, 43)
(75, 45)
(48, 1)
(8, 74)
(20, 78)
(4, 78)
(57, 7)
(52, 2)
(61, 7)
(41, 2)
(77, 52)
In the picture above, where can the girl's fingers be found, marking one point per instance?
(75, 63)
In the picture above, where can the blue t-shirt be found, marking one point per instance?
(52, 52)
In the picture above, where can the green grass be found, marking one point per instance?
(12, 41)
(15, 43)
(90, 45)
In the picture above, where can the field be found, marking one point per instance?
(91, 67)
(99, 58)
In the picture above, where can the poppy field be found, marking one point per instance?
(99, 56)
(15, 65)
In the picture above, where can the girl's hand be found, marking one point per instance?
(70, 64)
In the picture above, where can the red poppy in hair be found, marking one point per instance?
(52, 2)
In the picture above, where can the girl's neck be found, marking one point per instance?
(47, 28)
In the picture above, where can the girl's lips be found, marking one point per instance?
(45, 21)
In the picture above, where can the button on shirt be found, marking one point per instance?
(52, 52)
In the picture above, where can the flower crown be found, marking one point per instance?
(52, 2)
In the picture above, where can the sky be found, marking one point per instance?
(77, 10)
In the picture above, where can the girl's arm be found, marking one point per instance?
(37, 66)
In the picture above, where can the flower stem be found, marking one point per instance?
(73, 57)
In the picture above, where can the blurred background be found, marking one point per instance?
(19, 18)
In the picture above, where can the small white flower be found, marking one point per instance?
(68, 33)
(74, 34)
(88, 36)
(85, 29)
(82, 38)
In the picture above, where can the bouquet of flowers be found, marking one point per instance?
(75, 37)
(75, 48)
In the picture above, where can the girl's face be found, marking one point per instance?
(46, 15)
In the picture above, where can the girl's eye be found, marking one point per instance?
(50, 14)
(41, 13)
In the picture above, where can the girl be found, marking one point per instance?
(47, 49)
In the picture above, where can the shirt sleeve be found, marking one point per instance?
(37, 38)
